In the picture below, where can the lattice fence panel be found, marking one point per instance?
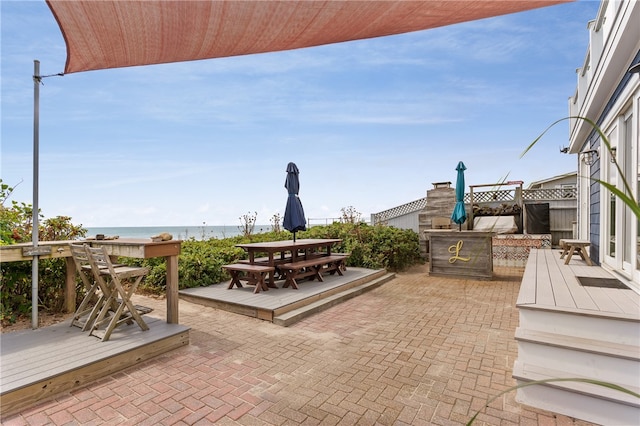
(407, 208)
(507, 195)
(493, 196)
(550, 194)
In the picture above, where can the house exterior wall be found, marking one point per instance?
(568, 179)
(406, 221)
(609, 95)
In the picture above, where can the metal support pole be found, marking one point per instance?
(36, 164)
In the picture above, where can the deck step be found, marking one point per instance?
(576, 399)
(611, 349)
(293, 316)
(580, 357)
(609, 327)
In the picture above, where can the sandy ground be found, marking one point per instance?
(44, 319)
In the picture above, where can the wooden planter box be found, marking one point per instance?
(461, 254)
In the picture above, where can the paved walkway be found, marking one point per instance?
(418, 350)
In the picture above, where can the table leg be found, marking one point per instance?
(172, 289)
(235, 279)
(585, 255)
(260, 282)
(70, 285)
(291, 279)
(569, 254)
(565, 250)
(271, 282)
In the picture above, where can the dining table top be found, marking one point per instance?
(290, 244)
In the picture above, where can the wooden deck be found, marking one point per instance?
(550, 284)
(37, 364)
(568, 329)
(269, 305)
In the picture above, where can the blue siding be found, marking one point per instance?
(593, 142)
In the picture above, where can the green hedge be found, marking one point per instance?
(200, 262)
(374, 247)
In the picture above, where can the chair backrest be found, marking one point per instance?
(79, 254)
(99, 260)
(81, 260)
(439, 222)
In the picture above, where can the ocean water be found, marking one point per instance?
(178, 232)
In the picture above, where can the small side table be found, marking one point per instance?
(569, 247)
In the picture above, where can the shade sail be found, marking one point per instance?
(104, 34)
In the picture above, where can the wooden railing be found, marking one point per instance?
(126, 247)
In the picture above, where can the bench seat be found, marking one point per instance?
(277, 261)
(313, 268)
(252, 274)
(265, 260)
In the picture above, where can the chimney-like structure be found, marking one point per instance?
(441, 200)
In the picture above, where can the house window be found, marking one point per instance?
(612, 178)
(627, 168)
(612, 225)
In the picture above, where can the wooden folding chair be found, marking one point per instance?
(112, 279)
(95, 295)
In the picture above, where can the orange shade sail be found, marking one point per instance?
(120, 33)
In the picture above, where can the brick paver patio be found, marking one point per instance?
(418, 350)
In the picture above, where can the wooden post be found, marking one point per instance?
(70, 285)
(470, 223)
(172, 289)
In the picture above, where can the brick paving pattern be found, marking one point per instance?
(418, 350)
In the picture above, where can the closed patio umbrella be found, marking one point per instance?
(294, 219)
(459, 214)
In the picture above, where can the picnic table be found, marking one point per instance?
(570, 247)
(287, 252)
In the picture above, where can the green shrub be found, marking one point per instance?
(200, 262)
(372, 247)
(15, 277)
(15, 288)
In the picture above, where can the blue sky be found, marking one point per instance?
(371, 124)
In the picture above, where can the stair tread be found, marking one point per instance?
(530, 372)
(614, 349)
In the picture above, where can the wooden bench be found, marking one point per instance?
(343, 265)
(265, 260)
(277, 261)
(571, 247)
(252, 274)
(313, 268)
